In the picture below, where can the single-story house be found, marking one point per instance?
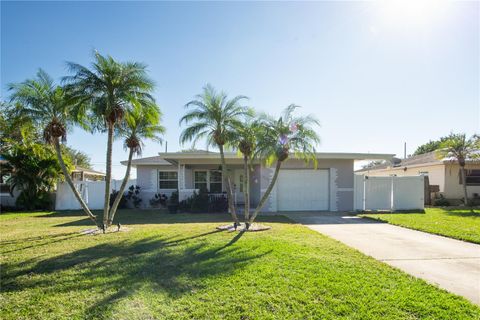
(444, 173)
(300, 187)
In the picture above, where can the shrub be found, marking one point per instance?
(159, 200)
(133, 195)
(38, 201)
(174, 198)
(441, 202)
(123, 200)
(201, 202)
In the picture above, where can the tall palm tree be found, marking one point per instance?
(215, 117)
(141, 122)
(279, 138)
(104, 92)
(460, 149)
(245, 141)
(46, 104)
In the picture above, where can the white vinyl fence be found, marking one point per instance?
(92, 192)
(389, 193)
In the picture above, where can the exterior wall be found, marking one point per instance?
(341, 182)
(436, 173)
(147, 179)
(453, 188)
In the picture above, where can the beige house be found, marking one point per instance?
(443, 173)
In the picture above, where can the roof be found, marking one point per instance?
(320, 155)
(156, 160)
(88, 171)
(429, 158)
(170, 158)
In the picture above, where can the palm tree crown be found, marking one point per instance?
(287, 134)
(106, 89)
(45, 103)
(459, 147)
(141, 122)
(214, 117)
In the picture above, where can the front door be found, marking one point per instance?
(238, 186)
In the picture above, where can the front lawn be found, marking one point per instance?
(459, 224)
(180, 267)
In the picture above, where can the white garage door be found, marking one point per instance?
(299, 190)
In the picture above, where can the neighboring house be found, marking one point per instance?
(299, 186)
(444, 173)
(84, 174)
(79, 174)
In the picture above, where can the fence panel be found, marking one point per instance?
(389, 193)
(358, 192)
(408, 193)
(378, 193)
(92, 192)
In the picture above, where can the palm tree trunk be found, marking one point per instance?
(108, 175)
(231, 205)
(114, 207)
(267, 192)
(246, 187)
(464, 180)
(68, 178)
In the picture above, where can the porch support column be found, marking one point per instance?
(181, 176)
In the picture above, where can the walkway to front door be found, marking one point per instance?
(451, 264)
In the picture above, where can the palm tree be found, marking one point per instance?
(215, 118)
(245, 141)
(278, 138)
(47, 106)
(459, 149)
(141, 122)
(105, 93)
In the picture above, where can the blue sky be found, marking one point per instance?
(375, 74)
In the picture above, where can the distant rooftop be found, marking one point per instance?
(426, 158)
(88, 171)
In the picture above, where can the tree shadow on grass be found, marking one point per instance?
(118, 270)
(463, 213)
(133, 217)
(35, 242)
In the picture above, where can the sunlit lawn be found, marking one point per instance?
(459, 224)
(179, 267)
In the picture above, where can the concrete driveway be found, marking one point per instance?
(451, 264)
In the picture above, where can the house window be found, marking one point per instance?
(167, 179)
(472, 177)
(215, 181)
(201, 180)
(208, 180)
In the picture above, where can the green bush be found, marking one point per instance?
(201, 202)
(123, 200)
(133, 195)
(441, 202)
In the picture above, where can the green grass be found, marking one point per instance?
(458, 224)
(179, 267)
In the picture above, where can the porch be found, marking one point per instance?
(192, 178)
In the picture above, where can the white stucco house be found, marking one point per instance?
(300, 187)
(444, 173)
